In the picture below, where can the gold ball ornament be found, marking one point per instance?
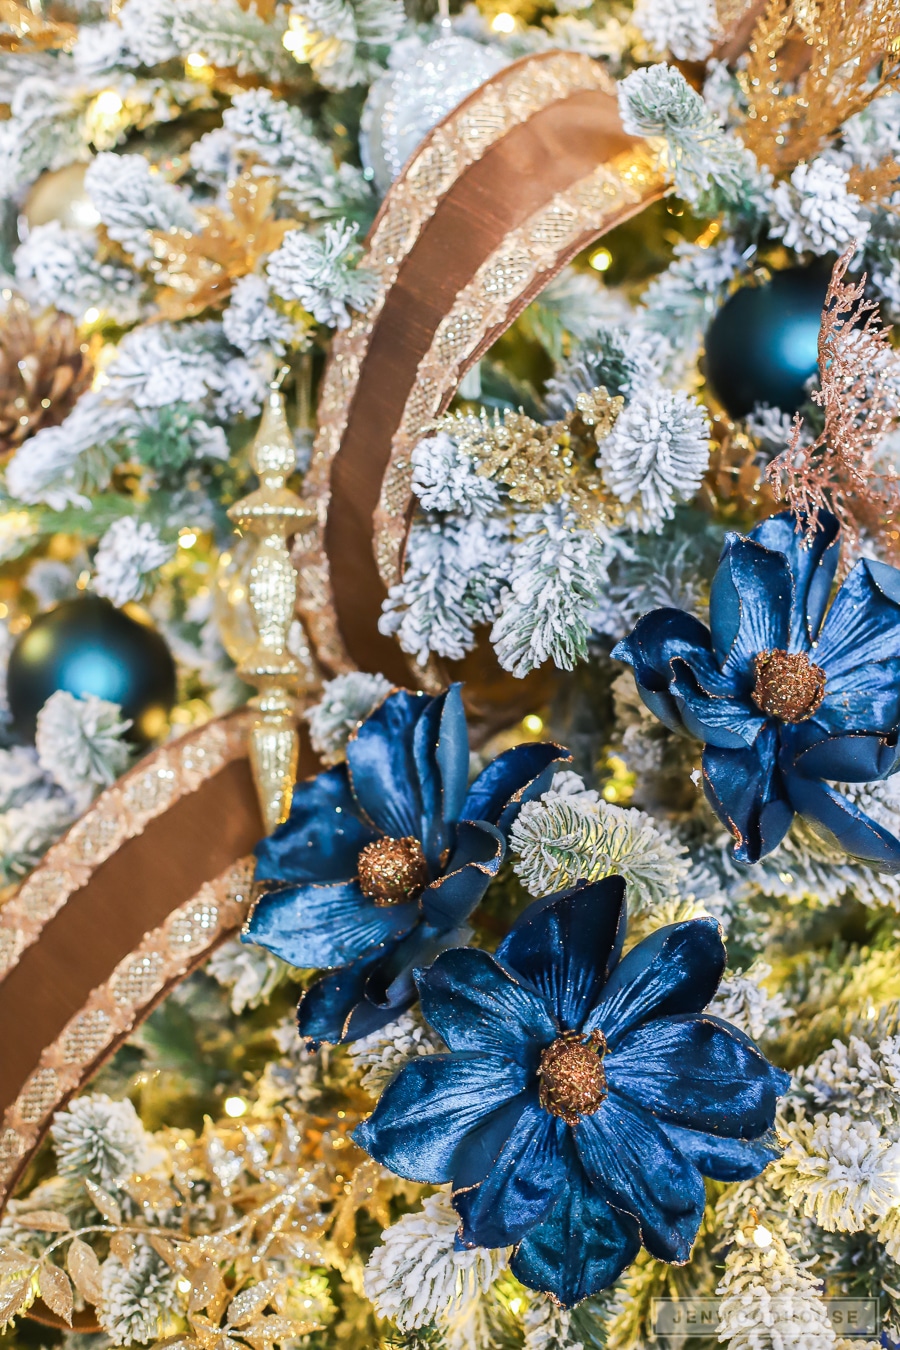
(59, 194)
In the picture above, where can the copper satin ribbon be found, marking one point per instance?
(514, 178)
(129, 894)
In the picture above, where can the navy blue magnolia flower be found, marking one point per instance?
(383, 859)
(583, 1094)
(785, 697)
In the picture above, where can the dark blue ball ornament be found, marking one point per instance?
(762, 345)
(87, 646)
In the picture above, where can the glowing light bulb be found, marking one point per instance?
(503, 22)
(195, 61)
(235, 1106)
(186, 539)
(600, 259)
(298, 39)
(91, 315)
(108, 103)
(761, 1236)
(533, 723)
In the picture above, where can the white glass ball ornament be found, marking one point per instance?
(423, 84)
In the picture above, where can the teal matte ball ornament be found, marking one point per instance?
(87, 646)
(762, 346)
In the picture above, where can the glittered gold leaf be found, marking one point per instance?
(56, 1291)
(16, 1295)
(104, 1202)
(275, 1331)
(28, 29)
(250, 1302)
(84, 1268)
(122, 1247)
(165, 1249)
(46, 1220)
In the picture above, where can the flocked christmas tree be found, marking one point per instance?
(186, 187)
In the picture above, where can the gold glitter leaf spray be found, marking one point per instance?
(273, 513)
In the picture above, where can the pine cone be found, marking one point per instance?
(43, 370)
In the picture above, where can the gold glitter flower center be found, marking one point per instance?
(392, 870)
(573, 1083)
(788, 685)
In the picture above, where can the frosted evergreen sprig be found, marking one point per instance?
(557, 570)
(127, 555)
(59, 267)
(131, 201)
(685, 28)
(382, 1054)
(842, 1172)
(417, 1277)
(814, 210)
(618, 358)
(321, 273)
(454, 572)
(563, 839)
(101, 1140)
(252, 974)
(350, 39)
(252, 324)
(277, 137)
(769, 1299)
(445, 478)
(64, 465)
(139, 1299)
(79, 742)
(346, 701)
(656, 454)
(710, 167)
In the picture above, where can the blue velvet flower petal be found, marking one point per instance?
(326, 1007)
(426, 1113)
(627, 1153)
(472, 867)
(382, 765)
(566, 947)
(710, 708)
(866, 700)
(520, 1188)
(581, 1247)
(474, 1004)
(441, 752)
(649, 649)
(722, 1159)
(516, 776)
(391, 984)
(746, 793)
(862, 627)
(853, 758)
(842, 824)
(812, 566)
(319, 925)
(677, 969)
(700, 1072)
(321, 838)
(750, 604)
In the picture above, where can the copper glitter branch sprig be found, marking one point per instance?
(858, 374)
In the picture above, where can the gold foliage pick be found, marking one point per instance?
(858, 377)
(29, 29)
(811, 65)
(195, 271)
(540, 464)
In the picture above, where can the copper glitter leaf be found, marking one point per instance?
(838, 471)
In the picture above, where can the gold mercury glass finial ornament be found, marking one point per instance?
(278, 662)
